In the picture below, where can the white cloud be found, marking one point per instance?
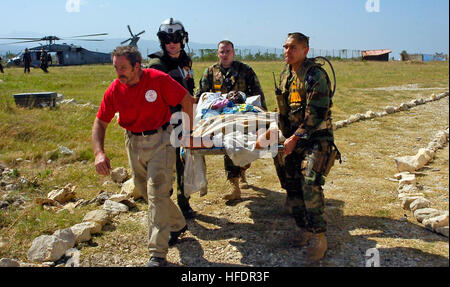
(73, 6)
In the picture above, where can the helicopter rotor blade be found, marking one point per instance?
(129, 29)
(140, 33)
(96, 40)
(29, 41)
(34, 39)
(90, 35)
(126, 41)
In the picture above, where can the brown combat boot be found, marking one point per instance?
(302, 238)
(244, 183)
(317, 247)
(235, 190)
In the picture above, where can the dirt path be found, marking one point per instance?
(361, 205)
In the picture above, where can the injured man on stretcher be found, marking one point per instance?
(226, 123)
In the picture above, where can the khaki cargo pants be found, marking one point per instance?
(152, 161)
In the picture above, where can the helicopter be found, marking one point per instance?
(134, 38)
(63, 54)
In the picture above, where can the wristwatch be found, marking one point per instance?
(302, 136)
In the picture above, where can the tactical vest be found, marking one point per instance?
(233, 80)
(293, 98)
(179, 69)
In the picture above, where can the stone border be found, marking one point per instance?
(59, 248)
(388, 110)
(413, 200)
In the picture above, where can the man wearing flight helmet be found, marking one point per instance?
(173, 60)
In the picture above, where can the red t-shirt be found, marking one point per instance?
(144, 106)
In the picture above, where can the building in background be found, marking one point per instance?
(376, 55)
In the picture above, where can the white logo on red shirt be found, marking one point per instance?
(151, 96)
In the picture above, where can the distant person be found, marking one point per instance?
(142, 97)
(173, 60)
(304, 104)
(225, 76)
(1, 66)
(44, 60)
(26, 61)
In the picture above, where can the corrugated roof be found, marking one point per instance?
(375, 52)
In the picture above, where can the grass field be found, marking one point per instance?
(36, 134)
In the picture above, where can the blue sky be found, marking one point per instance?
(413, 25)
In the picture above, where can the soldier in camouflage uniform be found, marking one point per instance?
(174, 61)
(44, 60)
(304, 103)
(225, 76)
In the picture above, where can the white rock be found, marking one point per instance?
(401, 174)
(99, 216)
(67, 236)
(65, 150)
(62, 195)
(82, 233)
(119, 197)
(425, 213)
(408, 179)
(6, 262)
(413, 163)
(419, 204)
(434, 146)
(84, 230)
(369, 115)
(404, 195)
(389, 109)
(74, 260)
(436, 222)
(115, 207)
(403, 107)
(414, 102)
(119, 174)
(406, 201)
(338, 125)
(407, 188)
(441, 138)
(129, 189)
(46, 248)
(355, 118)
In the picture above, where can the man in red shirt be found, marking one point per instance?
(142, 98)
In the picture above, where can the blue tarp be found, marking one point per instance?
(429, 58)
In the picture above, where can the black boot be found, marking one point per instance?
(185, 207)
(175, 234)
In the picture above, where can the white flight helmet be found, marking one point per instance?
(172, 30)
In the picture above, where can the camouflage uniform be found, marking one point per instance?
(179, 69)
(44, 61)
(304, 109)
(239, 77)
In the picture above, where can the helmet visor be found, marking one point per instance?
(167, 38)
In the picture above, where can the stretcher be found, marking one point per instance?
(235, 133)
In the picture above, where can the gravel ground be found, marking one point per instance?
(258, 231)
